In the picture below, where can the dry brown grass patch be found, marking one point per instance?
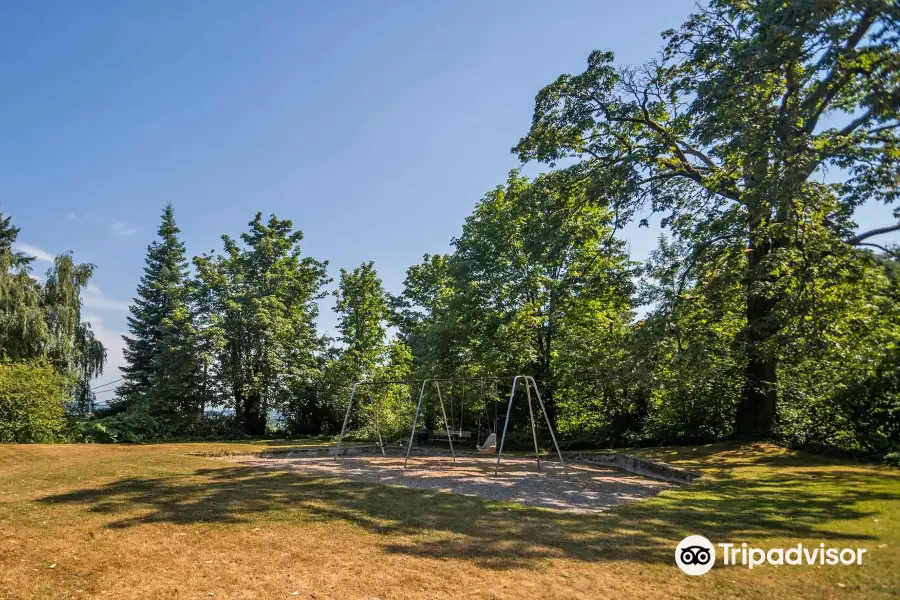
(160, 521)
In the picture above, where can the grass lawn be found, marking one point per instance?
(173, 521)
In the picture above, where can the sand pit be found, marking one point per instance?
(587, 488)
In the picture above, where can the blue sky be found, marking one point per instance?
(374, 126)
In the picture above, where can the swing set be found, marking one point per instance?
(490, 444)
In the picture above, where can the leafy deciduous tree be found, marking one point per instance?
(262, 300)
(728, 134)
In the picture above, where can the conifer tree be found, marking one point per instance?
(160, 351)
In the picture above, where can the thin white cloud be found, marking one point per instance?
(74, 216)
(39, 254)
(123, 229)
(94, 298)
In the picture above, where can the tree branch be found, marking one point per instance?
(855, 240)
(882, 248)
(829, 87)
(855, 123)
(688, 149)
(692, 261)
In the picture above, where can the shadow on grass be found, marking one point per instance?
(495, 534)
(251, 446)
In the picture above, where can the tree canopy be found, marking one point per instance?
(728, 133)
(262, 297)
(41, 322)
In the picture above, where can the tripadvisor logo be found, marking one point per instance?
(696, 555)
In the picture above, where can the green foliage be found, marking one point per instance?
(259, 305)
(42, 320)
(71, 345)
(728, 135)
(841, 368)
(163, 363)
(23, 326)
(32, 402)
(684, 351)
(388, 409)
(425, 317)
(362, 308)
(362, 313)
(138, 424)
(537, 284)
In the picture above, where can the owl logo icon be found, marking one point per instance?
(695, 555)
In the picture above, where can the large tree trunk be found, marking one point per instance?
(755, 418)
(544, 375)
(254, 416)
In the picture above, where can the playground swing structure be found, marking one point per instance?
(529, 384)
(457, 431)
(452, 432)
(376, 409)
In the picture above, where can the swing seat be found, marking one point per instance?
(455, 436)
(489, 446)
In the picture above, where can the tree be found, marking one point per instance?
(682, 352)
(177, 382)
(537, 268)
(729, 134)
(162, 366)
(260, 298)
(23, 326)
(425, 315)
(363, 314)
(42, 321)
(362, 310)
(71, 345)
(839, 363)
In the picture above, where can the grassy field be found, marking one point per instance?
(174, 521)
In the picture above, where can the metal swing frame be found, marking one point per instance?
(529, 382)
(337, 450)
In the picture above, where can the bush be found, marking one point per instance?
(32, 402)
(695, 402)
(853, 414)
(140, 425)
(131, 427)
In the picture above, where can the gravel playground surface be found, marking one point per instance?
(587, 489)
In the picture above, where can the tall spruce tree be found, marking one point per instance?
(162, 366)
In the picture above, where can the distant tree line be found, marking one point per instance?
(762, 314)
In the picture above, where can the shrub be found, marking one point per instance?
(140, 425)
(851, 413)
(32, 402)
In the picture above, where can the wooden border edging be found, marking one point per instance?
(633, 464)
(318, 451)
(625, 462)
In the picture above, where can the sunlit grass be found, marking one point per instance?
(163, 521)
